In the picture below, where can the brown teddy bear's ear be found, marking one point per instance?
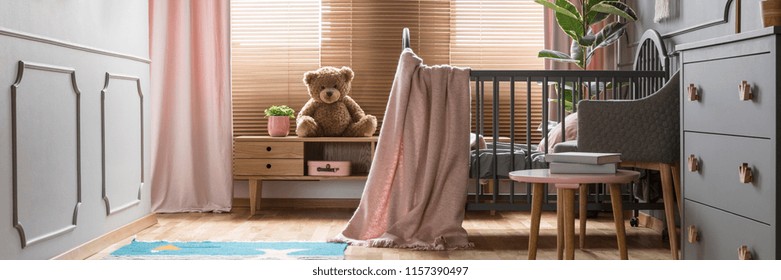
(308, 76)
(347, 73)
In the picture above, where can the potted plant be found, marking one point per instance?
(279, 120)
(578, 24)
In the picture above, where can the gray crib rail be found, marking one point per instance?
(651, 72)
(584, 85)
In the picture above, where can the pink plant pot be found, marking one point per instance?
(278, 126)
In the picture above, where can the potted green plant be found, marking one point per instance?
(279, 120)
(578, 24)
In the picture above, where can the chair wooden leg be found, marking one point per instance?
(559, 224)
(582, 197)
(536, 213)
(676, 170)
(569, 224)
(669, 202)
(618, 218)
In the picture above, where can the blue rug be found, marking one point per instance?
(208, 250)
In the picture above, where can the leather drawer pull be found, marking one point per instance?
(268, 149)
(693, 163)
(268, 166)
(745, 173)
(693, 95)
(744, 253)
(694, 236)
(744, 91)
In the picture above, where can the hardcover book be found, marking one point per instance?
(584, 157)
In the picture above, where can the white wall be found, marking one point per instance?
(52, 168)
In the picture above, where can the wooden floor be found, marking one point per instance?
(504, 236)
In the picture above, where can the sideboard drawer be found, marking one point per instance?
(267, 167)
(720, 234)
(719, 108)
(717, 181)
(268, 150)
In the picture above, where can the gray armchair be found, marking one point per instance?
(646, 133)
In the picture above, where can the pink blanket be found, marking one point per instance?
(416, 190)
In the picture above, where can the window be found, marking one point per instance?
(501, 35)
(274, 42)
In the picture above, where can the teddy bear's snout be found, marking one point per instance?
(330, 95)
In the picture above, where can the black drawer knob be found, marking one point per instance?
(268, 148)
(268, 166)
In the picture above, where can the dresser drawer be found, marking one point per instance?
(717, 182)
(719, 108)
(720, 234)
(268, 149)
(268, 167)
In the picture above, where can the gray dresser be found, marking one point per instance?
(729, 152)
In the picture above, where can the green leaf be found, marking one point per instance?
(576, 52)
(559, 9)
(573, 27)
(608, 35)
(281, 110)
(615, 8)
(588, 39)
(595, 17)
(556, 55)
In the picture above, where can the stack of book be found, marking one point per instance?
(583, 163)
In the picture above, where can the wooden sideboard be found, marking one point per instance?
(265, 158)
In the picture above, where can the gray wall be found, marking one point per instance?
(691, 20)
(73, 165)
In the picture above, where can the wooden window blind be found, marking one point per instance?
(501, 35)
(275, 42)
(366, 35)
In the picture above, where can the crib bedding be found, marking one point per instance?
(505, 155)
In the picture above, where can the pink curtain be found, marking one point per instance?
(191, 109)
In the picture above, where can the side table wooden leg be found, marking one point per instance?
(582, 213)
(536, 213)
(253, 196)
(559, 224)
(569, 224)
(618, 218)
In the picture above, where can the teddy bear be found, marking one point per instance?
(330, 111)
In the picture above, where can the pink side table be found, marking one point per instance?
(566, 184)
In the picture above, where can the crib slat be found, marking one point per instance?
(638, 83)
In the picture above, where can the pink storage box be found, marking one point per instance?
(329, 168)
